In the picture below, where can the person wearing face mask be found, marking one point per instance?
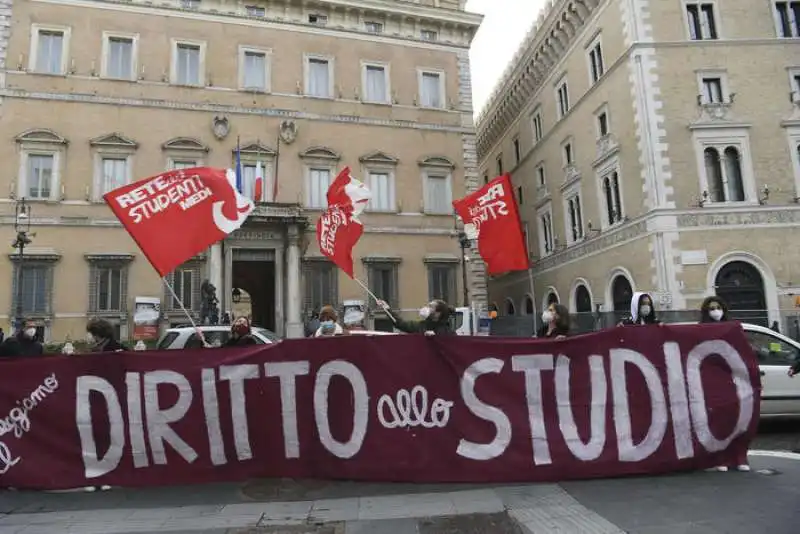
(101, 337)
(556, 321)
(434, 319)
(23, 343)
(328, 325)
(713, 310)
(240, 334)
(642, 311)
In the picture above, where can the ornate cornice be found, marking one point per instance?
(548, 40)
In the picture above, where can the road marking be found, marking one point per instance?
(786, 455)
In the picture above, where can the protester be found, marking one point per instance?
(642, 311)
(713, 310)
(328, 325)
(775, 327)
(2, 335)
(435, 319)
(241, 333)
(556, 321)
(101, 337)
(312, 324)
(23, 343)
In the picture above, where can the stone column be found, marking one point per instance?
(294, 323)
(215, 272)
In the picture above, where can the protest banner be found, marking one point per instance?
(633, 400)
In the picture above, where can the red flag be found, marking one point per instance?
(176, 215)
(338, 228)
(493, 211)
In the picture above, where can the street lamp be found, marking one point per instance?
(236, 295)
(22, 227)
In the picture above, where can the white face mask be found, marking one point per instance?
(30, 333)
(715, 314)
(89, 337)
(425, 312)
(547, 316)
(645, 311)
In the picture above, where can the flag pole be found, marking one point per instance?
(179, 301)
(530, 281)
(371, 294)
(277, 163)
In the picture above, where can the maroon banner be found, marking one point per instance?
(639, 400)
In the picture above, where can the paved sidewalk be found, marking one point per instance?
(764, 500)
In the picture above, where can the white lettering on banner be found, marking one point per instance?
(414, 403)
(18, 420)
(287, 373)
(533, 366)
(593, 448)
(163, 191)
(330, 221)
(354, 375)
(697, 398)
(628, 452)
(493, 414)
(686, 408)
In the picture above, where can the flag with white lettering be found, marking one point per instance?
(338, 228)
(493, 215)
(176, 215)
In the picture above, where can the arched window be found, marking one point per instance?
(611, 187)
(528, 305)
(510, 309)
(552, 298)
(583, 300)
(724, 174)
(621, 294)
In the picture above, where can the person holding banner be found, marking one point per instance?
(556, 321)
(241, 334)
(435, 319)
(642, 311)
(328, 325)
(713, 310)
(101, 337)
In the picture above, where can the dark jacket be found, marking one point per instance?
(555, 333)
(311, 327)
(109, 345)
(440, 328)
(19, 345)
(796, 367)
(633, 318)
(240, 341)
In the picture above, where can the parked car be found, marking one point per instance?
(780, 393)
(372, 333)
(179, 337)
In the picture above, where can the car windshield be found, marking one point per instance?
(272, 336)
(167, 340)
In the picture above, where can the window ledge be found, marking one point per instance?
(51, 74)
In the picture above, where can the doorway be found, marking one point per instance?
(741, 286)
(255, 281)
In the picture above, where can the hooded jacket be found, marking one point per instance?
(634, 318)
(440, 327)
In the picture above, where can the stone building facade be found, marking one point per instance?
(96, 93)
(655, 146)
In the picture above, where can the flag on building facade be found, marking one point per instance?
(239, 174)
(258, 187)
(492, 211)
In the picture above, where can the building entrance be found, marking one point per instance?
(253, 291)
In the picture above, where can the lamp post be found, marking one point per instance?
(464, 241)
(22, 227)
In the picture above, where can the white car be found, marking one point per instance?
(780, 393)
(180, 337)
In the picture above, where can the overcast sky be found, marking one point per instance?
(505, 24)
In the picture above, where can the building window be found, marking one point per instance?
(602, 124)
(562, 97)
(108, 284)
(188, 63)
(114, 174)
(39, 177)
(520, 197)
(439, 194)
(319, 77)
(381, 185)
(538, 132)
(546, 239)
(442, 282)
(613, 199)
(178, 164)
(567, 153)
(431, 89)
(499, 164)
(319, 180)
(787, 19)
(119, 53)
(185, 280)
(712, 90)
(517, 151)
(795, 85)
(701, 20)
(383, 281)
(49, 50)
(574, 210)
(485, 179)
(541, 179)
(251, 174)
(319, 20)
(36, 288)
(373, 27)
(428, 35)
(596, 65)
(255, 11)
(724, 174)
(375, 82)
(254, 69)
(190, 4)
(321, 281)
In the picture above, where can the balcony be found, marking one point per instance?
(715, 110)
(607, 146)
(542, 193)
(571, 175)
